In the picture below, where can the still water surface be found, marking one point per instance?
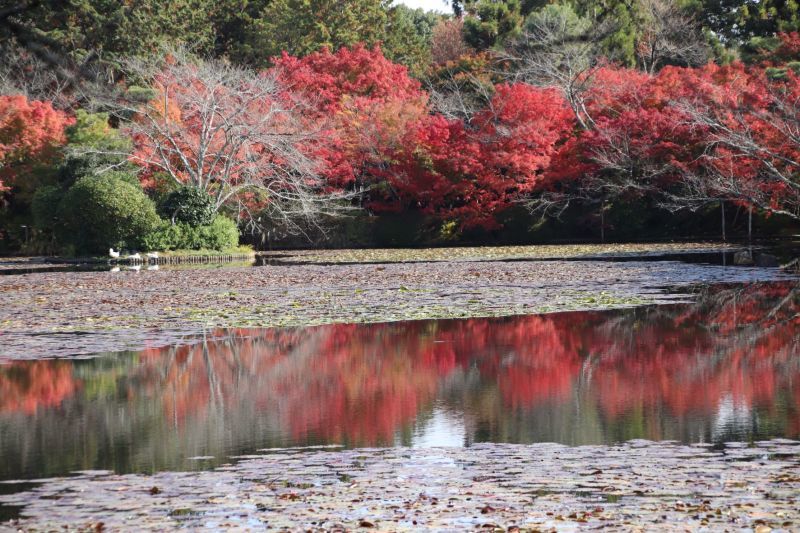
(724, 368)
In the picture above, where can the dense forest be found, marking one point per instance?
(185, 124)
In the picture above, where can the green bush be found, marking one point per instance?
(45, 207)
(221, 234)
(106, 211)
(163, 238)
(189, 205)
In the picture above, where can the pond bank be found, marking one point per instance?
(639, 485)
(540, 252)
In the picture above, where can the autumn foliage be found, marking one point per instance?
(31, 133)
(354, 122)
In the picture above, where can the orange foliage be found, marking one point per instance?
(26, 387)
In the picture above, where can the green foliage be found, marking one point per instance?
(736, 22)
(93, 145)
(408, 37)
(572, 25)
(449, 230)
(490, 22)
(620, 44)
(780, 73)
(105, 211)
(300, 27)
(235, 22)
(115, 29)
(189, 205)
(221, 234)
(45, 207)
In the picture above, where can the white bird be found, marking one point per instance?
(135, 268)
(152, 267)
(112, 254)
(115, 269)
(152, 255)
(136, 257)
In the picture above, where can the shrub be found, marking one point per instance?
(189, 205)
(164, 237)
(221, 234)
(45, 207)
(106, 211)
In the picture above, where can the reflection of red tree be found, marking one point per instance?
(737, 342)
(362, 384)
(31, 385)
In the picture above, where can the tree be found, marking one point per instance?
(23, 73)
(490, 22)
(447, 41)
(82, 40)
(628, 152)
(619, 19)
(752, 140)
(107, 28)
(31, 135)
(669, 35)
(408, 37)
(93, 147)
(458, 89)
(368, 103)
(300, 27)
(736, 22)
(648, 33)
(238, 135)
(469, 173)
(235, 22)
(558, 49)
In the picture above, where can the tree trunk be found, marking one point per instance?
(603, 221)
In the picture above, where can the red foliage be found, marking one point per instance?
(332, 80)
(31, 133)
(381, 134)
(649, 131)
(470, 173)
(789, 49)
(366, 101)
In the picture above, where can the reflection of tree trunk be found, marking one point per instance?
(216, 399)
(239, 370)
(722, 210)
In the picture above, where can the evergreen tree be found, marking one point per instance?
(300, 27)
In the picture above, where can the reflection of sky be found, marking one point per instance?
(731, 418)
(430, 5)
(443, 428)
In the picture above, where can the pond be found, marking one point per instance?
(723, 368)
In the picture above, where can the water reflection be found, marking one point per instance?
(725, 368)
